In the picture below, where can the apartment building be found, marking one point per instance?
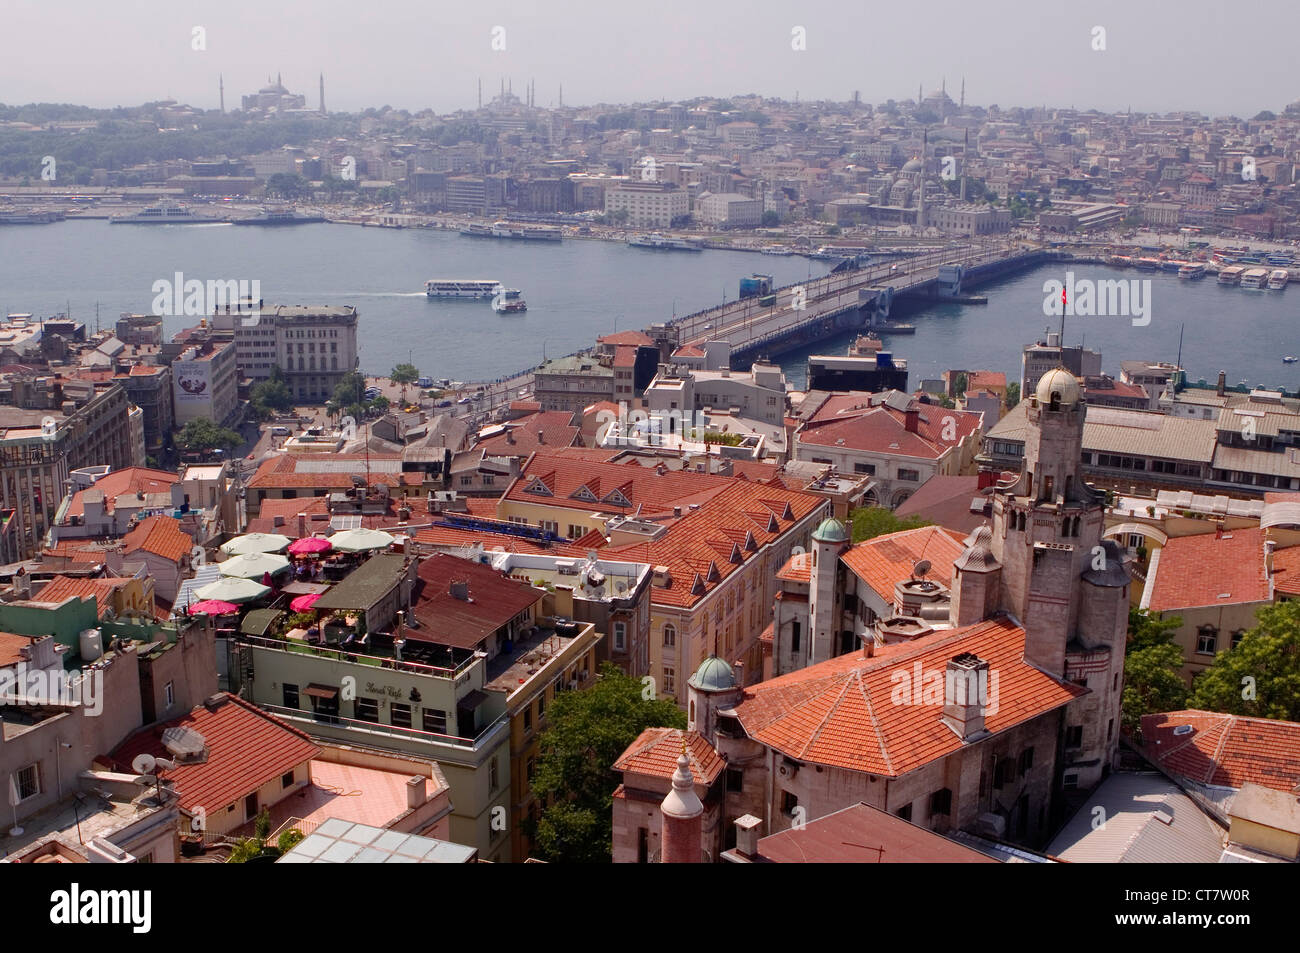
(313, 345)
(647, 204)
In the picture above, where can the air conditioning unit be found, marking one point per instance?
(582, 676)
(573, 684)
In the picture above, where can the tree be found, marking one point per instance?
(588, 731)
(1260, 676)
(1265, 115)
(959, 385)
(287, 185)
(201, 435)
(381, 403)
(350, 390)
(271, 394)
(404, 374)
(771, 219)
(1152, 660)
(868, 522)
(1013, 394)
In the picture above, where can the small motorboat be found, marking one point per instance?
(1289, 359)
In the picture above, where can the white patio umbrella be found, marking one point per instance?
(253, 565)
(255, 543)
(359, 540)
(231, 589)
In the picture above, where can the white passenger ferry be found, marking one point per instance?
(1230, 275)
(462, 287)
(1255, 278)
(157, 215)
(1278, 279)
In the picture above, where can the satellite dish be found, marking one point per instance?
(796, 550)
(920, 569)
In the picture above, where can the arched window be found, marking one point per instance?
(1074, 529)
(692, 711)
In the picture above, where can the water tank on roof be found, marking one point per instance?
(91, 644)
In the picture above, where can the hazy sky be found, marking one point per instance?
(1216, 57)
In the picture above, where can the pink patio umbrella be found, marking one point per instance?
(310, 546)
(213, 607)
(303, 603)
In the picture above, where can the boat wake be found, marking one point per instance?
(355, 294)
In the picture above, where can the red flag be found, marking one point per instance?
(1062, 297)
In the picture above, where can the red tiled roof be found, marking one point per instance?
(90, 552)
(627, 338)
(531, 406)
(887, 560)
(843, 713)
(557, 428)
(709, 538)
(494, 599)
(246, 748)
(624, 356)
(447, 536)
(1226, 750)
(61, 588)
(688, 350)
(995, 381)
(883, 429)
(11, 647)
(798, 568)
(1208, 570)
(130, 480)
(656, 750)
(863, 834)
(282, 471)
(1286, 571)
(160, 535)
(946, 500)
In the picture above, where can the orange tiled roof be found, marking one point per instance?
(995, 381)
(446, 536)
(885, 561)
(842, 712)
(702, 548)
(882, 429)
(627, 338)
(1209, 570)
(160, 535)
(11, 647)
(557, 428)
(282, 472)
(130, 480)
(798, 568)
(246, 748)
(61, 588)
(1227, 750)
(1286, 571)
(656, 750)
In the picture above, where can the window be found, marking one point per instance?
(868, 468)
(1070, 782)
(169, 695)
(290, 695)
(286, 779)
(576, 530)
(941, 802)
(1074, 736)
(794, 635)
(541, 705)
(905, 812)
(670, 681)
(29, 782)
(910, 475)
(1026, 761)
(788, 803)
(620, 636)
(735, 779)
(1005, 773)
(435, 721)
(549, 526)
(1237, 637)
(400, 715)
(530, 769)
(368, 709)
(1207, 639)
(670, 635)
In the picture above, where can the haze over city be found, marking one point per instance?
(412, 55)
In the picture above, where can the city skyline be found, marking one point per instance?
(397, 56)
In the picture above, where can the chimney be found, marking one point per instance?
(1269, 546)
(415, 791)
(1218, 531)
(541, 436)
(911, 418)
(738, 670)
(868, 645)
(986, 479)
(278, 520)
(677, 512)
(748, 830)
(302, 525)
(459, 589)
(1223, 383)
(510, 436)
(966, 695)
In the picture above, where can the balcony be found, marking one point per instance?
(356, 730)
(452, 670)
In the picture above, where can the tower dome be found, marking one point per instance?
(913, 164)
(713, 675)
(1060, 382)
(830, 530)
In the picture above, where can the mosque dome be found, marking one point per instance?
(1061, 382)
(830, 530)
(913, 164)
(713, 675)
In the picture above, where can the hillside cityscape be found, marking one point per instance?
(714, 590)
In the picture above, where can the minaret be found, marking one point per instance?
(221, 92)
(964, 153)
(480, 92)
(561, 95)
(963, 92)
(278, 81)
(829, 539)
(920, 95)
(682, 817)
(920, 200)
(322, 94)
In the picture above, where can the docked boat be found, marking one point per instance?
(1231, 275)
(535, 233)
(1119, 261)
(509, 305)
(1278, 279)
(32, 217)
(659, 242)
(157, 215)
(1254, 279)
(462, 288)
(281, 216)
(1192, 270)
(776, 250)
(1146, 264)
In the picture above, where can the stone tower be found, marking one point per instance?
(683, 817)
(976, 580)
(1066, 586)
(829, 539)
(713, 687)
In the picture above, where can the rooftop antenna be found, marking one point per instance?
(1179, 363)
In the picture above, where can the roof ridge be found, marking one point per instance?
(1228, 723)
(875, 723)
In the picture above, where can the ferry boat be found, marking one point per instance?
(509, 306)
(1192, 270)
(281, 216)
(1254, 279)
(32, 217)
(541, 233)
(1278, 279)
(157, 215)
(1146, 264)
(662, 243)
(776, 250)
(1119, 261)
(1289, 359)
(462, 288)
(1230, 275)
